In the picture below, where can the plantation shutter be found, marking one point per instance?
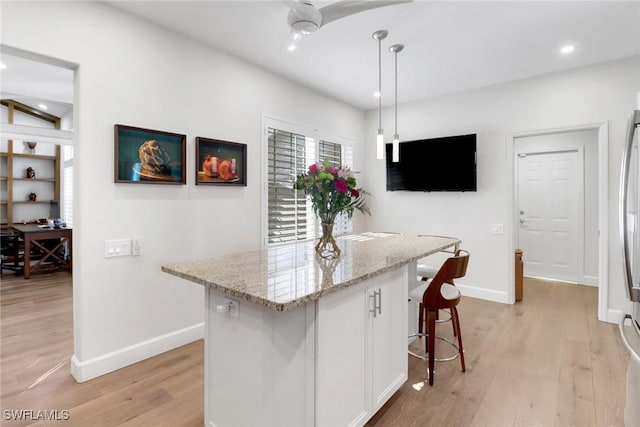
(67, 186)
(290, 215)
(287, 208)
(337, 155)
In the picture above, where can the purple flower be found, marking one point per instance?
(355, 193)
(333, 170)
(341, 186)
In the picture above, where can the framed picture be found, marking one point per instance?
(145, 156)
(220, 162)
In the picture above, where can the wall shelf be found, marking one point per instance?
(35, 179)
(34, 156)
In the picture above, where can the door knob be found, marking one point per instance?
(522, 221)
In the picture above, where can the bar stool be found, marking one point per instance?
(437, 294)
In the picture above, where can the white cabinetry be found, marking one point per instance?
(361, 352)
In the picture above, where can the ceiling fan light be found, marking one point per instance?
(304, 27)
(305, 20)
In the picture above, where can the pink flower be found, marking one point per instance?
(333, 170)
(313, 169)
(355, 193)
(341, 186)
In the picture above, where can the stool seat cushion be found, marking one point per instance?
(449, 292)
(428, 271)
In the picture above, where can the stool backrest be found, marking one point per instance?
(453, 268)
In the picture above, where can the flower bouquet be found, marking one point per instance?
(333, 191)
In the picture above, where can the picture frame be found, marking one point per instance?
(147, 156)
(220, 162)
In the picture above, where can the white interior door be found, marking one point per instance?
(549, 186)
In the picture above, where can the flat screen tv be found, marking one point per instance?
(436, 164)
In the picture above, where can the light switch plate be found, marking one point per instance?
(118, 247)
(497, 228)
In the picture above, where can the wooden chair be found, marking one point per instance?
(438, 294)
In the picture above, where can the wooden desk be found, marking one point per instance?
(34, 238)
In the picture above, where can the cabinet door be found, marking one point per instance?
(389, 336)
(341, 358)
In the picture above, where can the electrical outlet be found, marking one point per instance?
(233, 307)
(230, 307)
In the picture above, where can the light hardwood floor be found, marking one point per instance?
(543, 362)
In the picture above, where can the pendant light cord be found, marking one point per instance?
(396, 100)
(379, 84)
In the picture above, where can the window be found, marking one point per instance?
(67, 185)
(289, 213)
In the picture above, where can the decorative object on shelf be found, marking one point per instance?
(380, 35)
(146, 156)
(395, 49)
(220, 162)
(31, 173)
(333, 191)
(32, 146)
(32, 197)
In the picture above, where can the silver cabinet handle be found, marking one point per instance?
(377, 302)
(373, 295)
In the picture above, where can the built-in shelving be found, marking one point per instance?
(16, 187)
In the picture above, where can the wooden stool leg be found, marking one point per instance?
(456, 325)
(431, 342)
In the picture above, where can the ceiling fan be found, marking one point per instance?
(304, 18)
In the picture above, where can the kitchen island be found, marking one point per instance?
(295, 340)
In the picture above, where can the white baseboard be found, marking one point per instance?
(88, 369)
(590, 280)
(485, 294)
(613, 316)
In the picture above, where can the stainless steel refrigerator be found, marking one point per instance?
(630, 240)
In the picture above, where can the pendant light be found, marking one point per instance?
(380, 35)
(395, 49)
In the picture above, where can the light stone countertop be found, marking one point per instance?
(285, 276)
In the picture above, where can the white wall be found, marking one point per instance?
(588, 139)
(587, 95)
(134, 73)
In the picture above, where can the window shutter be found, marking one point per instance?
(67, 186)
(290, 215)
(286, 207)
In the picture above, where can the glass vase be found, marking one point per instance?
(327, 246)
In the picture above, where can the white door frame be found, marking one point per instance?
(603, 213)
(579, 150)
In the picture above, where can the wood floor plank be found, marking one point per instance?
(545, 361)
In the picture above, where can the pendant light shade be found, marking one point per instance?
(395, 49)
(380, 35)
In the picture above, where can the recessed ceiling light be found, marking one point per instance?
(376, 94)
(43, 107)
(2, 66)
(568, 49)
(291, 47)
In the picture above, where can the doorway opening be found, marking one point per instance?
(45, 87)
(559, 205)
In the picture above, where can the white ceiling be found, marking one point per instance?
(33, 83)
(450, 46)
